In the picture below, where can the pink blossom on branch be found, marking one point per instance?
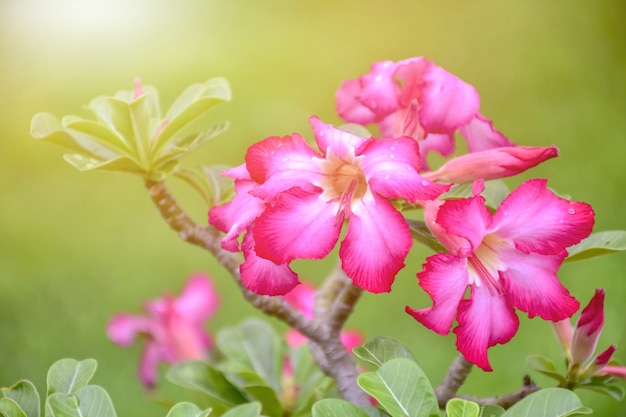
(309, 194)
(508, 259)
(173, 328)
(416, 98)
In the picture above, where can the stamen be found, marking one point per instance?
(485, 276)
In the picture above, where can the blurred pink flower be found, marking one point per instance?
(173, 328)
(508, 259)
(416, 98)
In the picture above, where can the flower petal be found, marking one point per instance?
(198, 301)
(467, 218)
(531, 285)
(285, 162)
(297, 226)
(484, 321)
(481, 135)
(391, 167)
(349, 107)
(379, 89)
(262, 276)
(150, 358)
(539, 221)
(341, 143)
(351, 339)
(235, 217)
(442, 143)
(445, 279)
(376, 244)
(302, 298)
(448, 102)
(122, 328)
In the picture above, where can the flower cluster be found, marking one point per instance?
(174, 328)
(292, 201)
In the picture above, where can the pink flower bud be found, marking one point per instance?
(588, 329)
(491, 164)
(618, 371)
(563, 331)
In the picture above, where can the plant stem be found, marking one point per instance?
(328, 350)
(510, 399)
(456, 376)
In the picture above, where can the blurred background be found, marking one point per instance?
(75, 248)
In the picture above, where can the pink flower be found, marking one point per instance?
(588, 329)
(173, 329)
(509, 260)
(416, 98)
(307, 197)
(302, 298)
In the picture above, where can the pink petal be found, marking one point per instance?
(295, 339)
(454, 244)
(539, 221)
(198, 301)
(442, 143)
(302, 298)
(588, 329)
(376, 244)
(531, 285)
(349, 108)
(379, 89)
(123, 328)
(341, 143)
(467, 218)
(297, 226)
(150, 358)
(448, 101)
(484, 321)
(391, 167)
(351, 339)
(235, 217)
(492, 164)
(618, 371)
(262, 276)
(481, 135)
(411, 72)
(445, 279)
(286, 161)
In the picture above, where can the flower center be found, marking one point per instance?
(485, 264)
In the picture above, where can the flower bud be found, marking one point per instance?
(563, 331)
(588, 329)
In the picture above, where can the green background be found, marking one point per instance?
(76, 248)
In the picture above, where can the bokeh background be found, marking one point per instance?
(77, 247)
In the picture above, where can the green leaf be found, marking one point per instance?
(401, 388)
(457, 407)
(255, 386)
(420, 233)
(495, 192)
(255, 345)
(89, 401)
(244, 410)
(186, 409)
(25, 395)
(196, 100)
(202, 377)
(604, 386)
(332, 407)
(372, 411)
(548, 402)
(545, 366)
(121, 163)
(382, 349)
(209, 183)
(597, 244)
(69, 375)
(491, 411)
(10, 408)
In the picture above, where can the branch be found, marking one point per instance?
(510, 399)
(456, 376)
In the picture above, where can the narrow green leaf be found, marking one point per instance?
(332, 407)
(372, 411)
(208, 182)
(10, 408)
(108, 111)
(545, 366)
(244, 410)
(186, 409)
(69, 375)
(255, 345)
(495, 192)
(382, 349)
(25, 395)
(100, 133)
(89, 401)
(604, 387)
(491, 411)
(401, 387)
(202, 377)
(119, 164)
(548, 402)
(597, 244)
(457, 407)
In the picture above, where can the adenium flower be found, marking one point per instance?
(173, 329)
(307, 197)
(416, 98)
(509, 260)
(302, 298)
(581, 345)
